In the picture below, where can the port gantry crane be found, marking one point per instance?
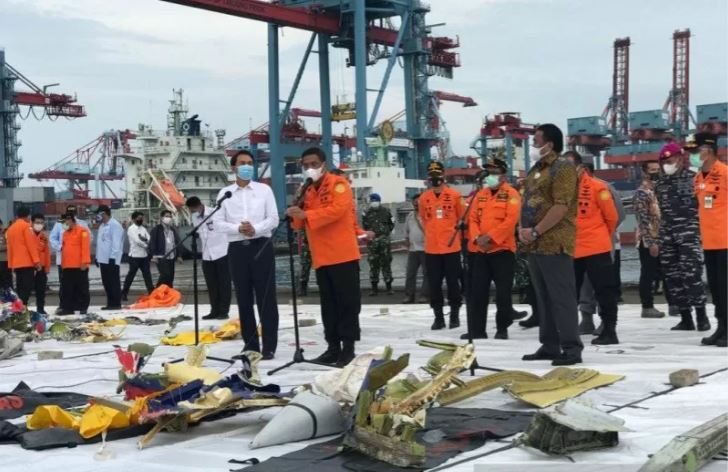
(366, 30)
(52, 105)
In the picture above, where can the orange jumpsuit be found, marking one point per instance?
(75, 260)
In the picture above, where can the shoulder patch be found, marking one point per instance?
(514, 201)
(84, 234)
(604, 195)
(340, 188)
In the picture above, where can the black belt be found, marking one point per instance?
(250, 242)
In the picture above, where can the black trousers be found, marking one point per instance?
(649, 273)
(136, 264)
(217, 279)
(254, 280)
(617, 262)
(75, 290)
(448, 267)
(552, 276)
(340, 296)
(166, 272)
(498, 267)
(6, 277)
(111, 281)
(600, 270)
(716, 267)
(24, 283)
(60, 286)
(40, 283)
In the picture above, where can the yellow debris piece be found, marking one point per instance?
(182, 373)
(210, 400)
(229, 330)
(558, 385)
(52, 416)
(98, 418)
(115, 322)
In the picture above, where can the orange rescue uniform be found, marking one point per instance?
(44, 250)
(711, 191)
(76, 250)
(440, 215)
(22, 245)
(596, 218)
(495, 213)
(330, 222)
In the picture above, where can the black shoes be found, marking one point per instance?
(439, 323)
(702, 319)
(331, 355)
(686, 324)
(517, 315)
(467, 336)
(213, 316)
(390, 290)
(124, 297)
(347, 354)
(501, 334)
(566, 359)
(540, 356)
(267, 356)
(454, 318)
(714, 338)
(606, 338)
(587, 323)
(531, 322)
(108, 308)
(375, 290)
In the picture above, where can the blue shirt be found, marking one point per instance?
(56, 237)
(110, 242)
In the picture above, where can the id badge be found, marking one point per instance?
(438, 213)
(708, 202)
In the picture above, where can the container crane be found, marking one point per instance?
(368, 35)
(95, 161)
(51, 105)
(509, 127)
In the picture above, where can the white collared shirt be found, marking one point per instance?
(138, 241)
(254, 203)
(214, 244)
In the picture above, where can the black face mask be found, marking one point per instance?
(139, 222)
(654, 176)
(436, 181)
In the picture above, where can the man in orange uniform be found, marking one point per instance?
(75, 261)
(596, 221)
(711, 189)
(44, 252)
(440, 210)
(492, 226)
(327, 215)
(23, 257)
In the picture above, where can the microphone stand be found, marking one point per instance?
(194, 234)
(298, 357)
(460, 228)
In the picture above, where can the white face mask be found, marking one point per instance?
(314, 174)
(535, 153)
(167, 220)
(38, 227)
(375, 204)
(669, 168)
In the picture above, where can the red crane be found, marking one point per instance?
(617, 110)
(678, 100)
(54, 104)
(320, 21)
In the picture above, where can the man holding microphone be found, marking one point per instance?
(249, 217)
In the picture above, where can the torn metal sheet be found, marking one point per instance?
(558, 385)
(484, 384)
(572, 426)
(9, 346)
(691, 450)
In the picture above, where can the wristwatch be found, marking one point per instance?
(535, 234)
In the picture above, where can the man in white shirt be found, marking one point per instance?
(138, 237)
(109, 245)
(215, 265)
(249, 218)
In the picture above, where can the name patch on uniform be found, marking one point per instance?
(514, 201)
(340, 188)
(604, 195)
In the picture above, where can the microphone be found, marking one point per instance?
(227, 195)
(480, 176)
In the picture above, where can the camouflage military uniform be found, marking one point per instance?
(305, 261)
(681, 256)
(379, 220)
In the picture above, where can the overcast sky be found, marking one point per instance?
(550, 60)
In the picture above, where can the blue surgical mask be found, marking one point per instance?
(99, 218)
(245, 172)
(695, 160)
